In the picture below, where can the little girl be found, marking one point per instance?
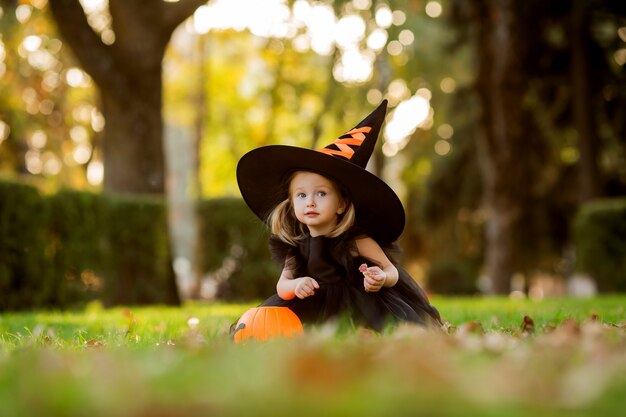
(333, 225)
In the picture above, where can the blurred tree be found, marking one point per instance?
(549, 105)
(584, 120)
(266, 88)
(126, 65)
(50, 125)
(127, 71)
(505, 148)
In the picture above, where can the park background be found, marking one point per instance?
(126, 251)
(121, 126)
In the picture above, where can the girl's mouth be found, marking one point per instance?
(311, 214)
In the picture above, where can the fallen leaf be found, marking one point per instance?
(528, 325)
(570, 326)
(471, 327)
(93, 343)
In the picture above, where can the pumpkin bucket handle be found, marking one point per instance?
(233, 330)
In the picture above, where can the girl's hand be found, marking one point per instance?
(305, 287)
(373, 277)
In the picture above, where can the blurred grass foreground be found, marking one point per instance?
(497, 357)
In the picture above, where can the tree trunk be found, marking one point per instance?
(502, 143)
(128, 74)
(581, 96)
(202, 110)
(132, 143)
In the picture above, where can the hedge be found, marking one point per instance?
(70, 247)
(74, 230)
(62, 249)
(453, 275)
(231, 233)
(600, 236)
(137, 263)
(25, 276)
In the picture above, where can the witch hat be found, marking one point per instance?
(263, 172)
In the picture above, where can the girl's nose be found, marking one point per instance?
(310, 202)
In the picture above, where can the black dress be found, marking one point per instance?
(332, 263)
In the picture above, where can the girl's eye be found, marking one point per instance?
(301, 195)
(322, 193)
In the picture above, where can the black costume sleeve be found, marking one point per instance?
(282, 253)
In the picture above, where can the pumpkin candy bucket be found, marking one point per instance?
(263, 323)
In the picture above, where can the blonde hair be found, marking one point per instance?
(284, 224)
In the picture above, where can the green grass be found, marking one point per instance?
(128, 326)
(504, 313)
(155, 361)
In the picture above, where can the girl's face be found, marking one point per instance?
(316, 202)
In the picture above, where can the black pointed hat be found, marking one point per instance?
(262, 174)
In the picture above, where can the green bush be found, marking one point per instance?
(452, 276)
(137, 267)
(231, 233)
(72, 246)
(600, 236)
(25, 277)
(76, 239)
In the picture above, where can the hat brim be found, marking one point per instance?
(262, 172)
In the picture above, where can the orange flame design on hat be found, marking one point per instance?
(357, 145)
(348, 143)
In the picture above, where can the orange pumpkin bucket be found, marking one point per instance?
(263, 323)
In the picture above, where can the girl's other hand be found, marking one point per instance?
(373, 277)
(305, 287)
